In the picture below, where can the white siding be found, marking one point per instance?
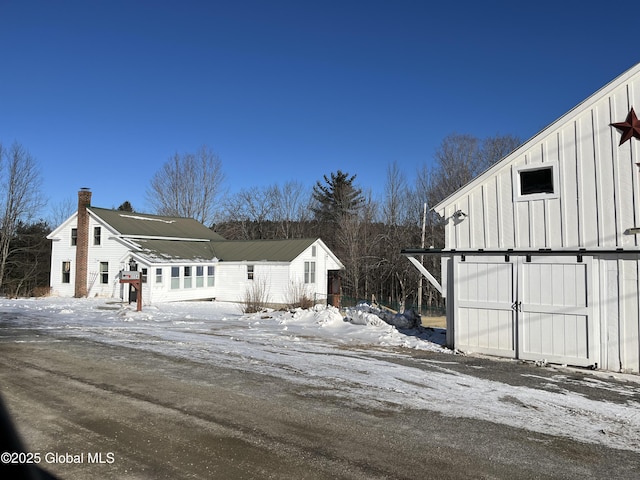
(324, 262)
(111, 251)
(232, 282)
(598, 179)
(619, 310)
(63, 251)
(598, 201)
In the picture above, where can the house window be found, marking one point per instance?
(187, 277)
(309, 272)
(313, 250)
(143, 275)
(199, 276)
(66, 272)
(536, 182)
(104, 272)
(175, 277)
(158, 275)
(97, 233)
(249, 272)
(74, 236)
(211, 276)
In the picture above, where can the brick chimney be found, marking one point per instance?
(82, 245)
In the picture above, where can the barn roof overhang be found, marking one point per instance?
(528, 253)
(412, 255)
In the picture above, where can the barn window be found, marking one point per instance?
(536, 182)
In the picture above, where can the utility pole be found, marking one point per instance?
(424, 224)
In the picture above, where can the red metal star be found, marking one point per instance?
(630, 127)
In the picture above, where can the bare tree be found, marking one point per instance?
(400, 228)
(247, 214)
(456, 164)
(354, 245)
(20, 187)
(267, 212)
(458, 160)
(461, 158)
(396, 196)
(188, 186)
(291, 208)
(497, 147)
(62, 210)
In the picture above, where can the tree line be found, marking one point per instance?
(364, 230)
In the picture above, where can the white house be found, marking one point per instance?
(181, 259)
(541, 257)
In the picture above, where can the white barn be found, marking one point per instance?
(541, 256)
(181, 259)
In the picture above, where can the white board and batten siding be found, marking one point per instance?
(596, 199)
(483, 305)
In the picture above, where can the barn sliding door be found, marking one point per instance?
(554, 317)
(533, 310)
(485, 317)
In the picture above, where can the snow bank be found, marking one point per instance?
(365, 314)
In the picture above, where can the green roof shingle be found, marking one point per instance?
(134, 224)
(176, 239)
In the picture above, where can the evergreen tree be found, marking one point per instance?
(336, 198)
(125, 207)
(29, 261)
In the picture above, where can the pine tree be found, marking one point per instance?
(125, 207)
(336, 198)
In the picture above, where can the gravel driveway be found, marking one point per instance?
(96, 410)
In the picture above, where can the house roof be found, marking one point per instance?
(587, 103)
(257, 250)
(160, 250)
(162, 239)
(167, 251)
(138, 225)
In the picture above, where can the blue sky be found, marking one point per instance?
(102, 93)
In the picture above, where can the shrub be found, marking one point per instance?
(256, 297)
(299, 296)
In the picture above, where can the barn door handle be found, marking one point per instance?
(517, 306)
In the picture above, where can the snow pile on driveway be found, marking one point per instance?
(360, 325)
(365, 314)
(399, 326)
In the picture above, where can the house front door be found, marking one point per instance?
(333, 288)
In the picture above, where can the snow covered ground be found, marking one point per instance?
(349, 358)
